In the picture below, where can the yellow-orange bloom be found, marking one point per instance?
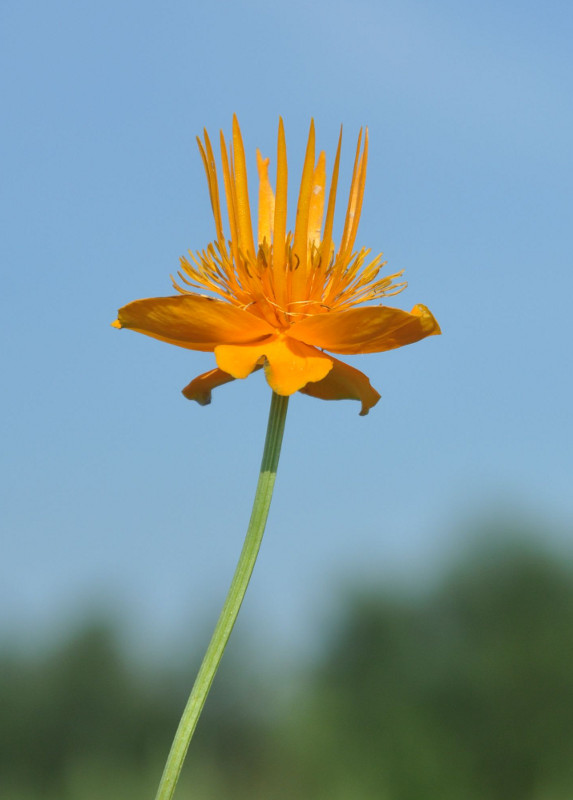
(283, 298)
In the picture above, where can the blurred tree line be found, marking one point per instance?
(462, 693)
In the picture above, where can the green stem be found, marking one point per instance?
(259, 514)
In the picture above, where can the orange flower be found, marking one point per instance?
(286, 299)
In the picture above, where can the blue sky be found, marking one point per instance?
(114, 488)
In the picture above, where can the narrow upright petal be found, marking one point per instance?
(303, 210)
(354, 200)
(316, 209)
(279, 233)
(266, 202)
(242, 192)
(326, 246)
(212, 183)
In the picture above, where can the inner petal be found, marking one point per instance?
(289, 365)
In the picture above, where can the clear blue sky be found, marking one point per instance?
(115, 487)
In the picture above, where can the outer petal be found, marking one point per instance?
(200, 387)
(192, 321)
(289, 365)
(371, 329)
(344, 382)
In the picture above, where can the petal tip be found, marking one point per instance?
(200, 388)
(430, 324)
(203, 398)
(368, 404)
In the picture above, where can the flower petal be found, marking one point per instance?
(200, 387)
(266, 202)
(343, 382)
(289, 365)
(300, 243)
(244, 223)
(192, 321)
(372, 329)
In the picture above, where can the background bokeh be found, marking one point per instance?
(124, 504)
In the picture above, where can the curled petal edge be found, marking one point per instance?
(344, 382)
(371, 329)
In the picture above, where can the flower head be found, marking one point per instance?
(279, 300)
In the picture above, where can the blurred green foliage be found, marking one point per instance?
(464, 692)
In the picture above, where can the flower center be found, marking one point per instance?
(279, 295)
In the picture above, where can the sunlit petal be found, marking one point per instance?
(289, 365)
(316, 209)
(372, 329)
(192, 321)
